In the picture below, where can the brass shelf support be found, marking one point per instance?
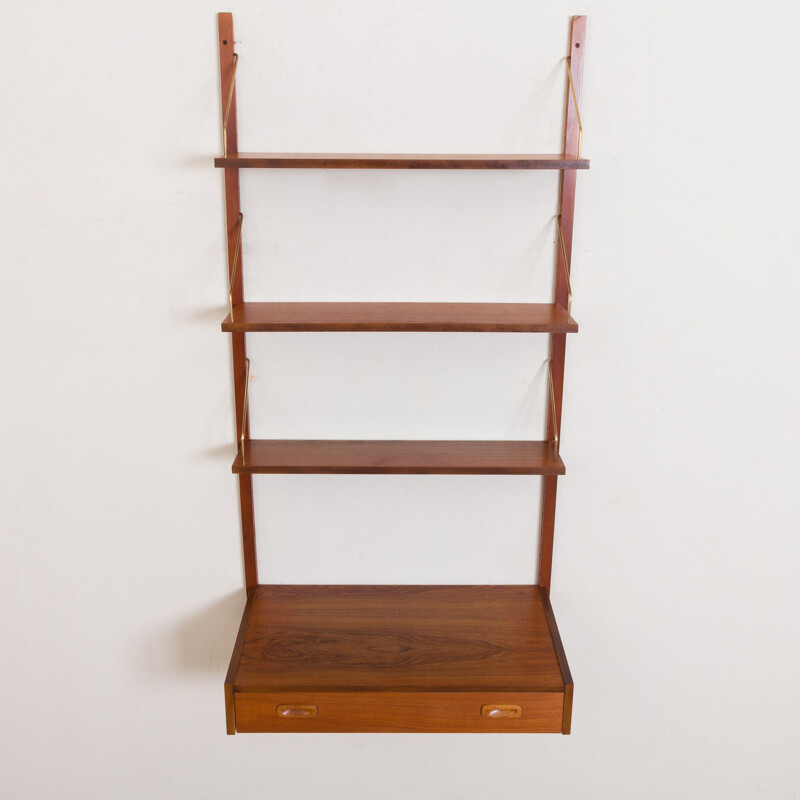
(553, 409)
(567, 268)
(236, 251)
(244, 406)
(228, 106)
(574, 100)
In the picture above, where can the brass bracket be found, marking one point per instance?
(228, 106)
(575, 100)
(236, 252)
(553, 409)
(244, 406)
(567, 268)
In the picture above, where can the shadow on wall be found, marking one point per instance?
(223, 452)
(209, 313)
(200, 643)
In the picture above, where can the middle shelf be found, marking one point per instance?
(431, 317)
(396, 457)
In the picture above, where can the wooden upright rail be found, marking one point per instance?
(558, 341)
(227, 63)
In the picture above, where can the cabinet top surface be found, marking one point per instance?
(435, 638)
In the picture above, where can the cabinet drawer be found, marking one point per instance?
(398, 712)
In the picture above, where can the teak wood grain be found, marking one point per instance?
(566, 675)
(399, 457)
(230, 712)
(400, 712)
(394, 658)
(398, 638)
(409, 317)
(399, 161)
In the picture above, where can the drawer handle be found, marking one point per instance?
(296, 710)
(501, 711)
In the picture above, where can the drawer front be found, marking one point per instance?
(398, 712)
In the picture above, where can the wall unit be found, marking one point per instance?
(399, 658)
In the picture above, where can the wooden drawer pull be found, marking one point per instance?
(501, 711)
(296, 710)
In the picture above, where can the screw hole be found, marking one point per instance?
(578, 44)
(224, 41)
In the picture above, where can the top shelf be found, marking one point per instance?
(397, 161)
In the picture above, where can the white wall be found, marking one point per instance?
(676, 553)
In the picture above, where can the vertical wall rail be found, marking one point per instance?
(227, 71)
(558, 341)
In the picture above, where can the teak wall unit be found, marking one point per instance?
(399, 658)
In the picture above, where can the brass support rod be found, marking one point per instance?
(567, 269)
(575, 100)
(236, 251)
(244, 406)
(553, 409)
(228, 106)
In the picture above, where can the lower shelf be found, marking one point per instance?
(405, 457)
(393, 659)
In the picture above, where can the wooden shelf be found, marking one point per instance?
(398, 161)
(399, 457)
(398, 659)
(446, 317)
